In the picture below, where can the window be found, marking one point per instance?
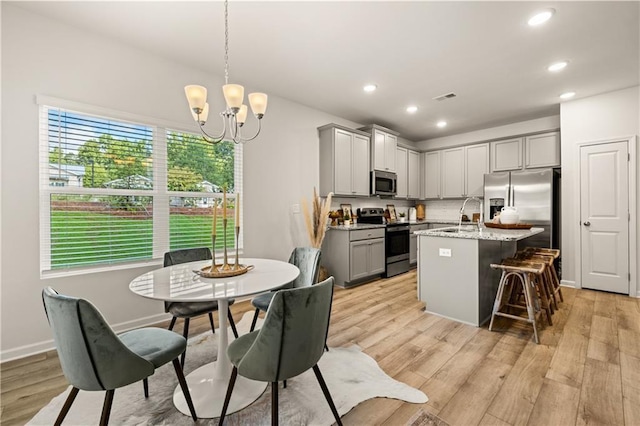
(119, 191)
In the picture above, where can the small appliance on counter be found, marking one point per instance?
(412, 214)
(420, 212)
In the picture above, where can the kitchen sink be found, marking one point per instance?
(456, 230)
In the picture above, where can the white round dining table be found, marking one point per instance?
(179, 283)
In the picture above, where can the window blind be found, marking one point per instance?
(116, 192)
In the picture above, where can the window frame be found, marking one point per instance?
(160, 193)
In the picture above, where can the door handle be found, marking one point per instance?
(587, 223)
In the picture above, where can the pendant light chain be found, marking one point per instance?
(226, 42)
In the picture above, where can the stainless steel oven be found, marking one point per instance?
(384, 183)
(397, 241)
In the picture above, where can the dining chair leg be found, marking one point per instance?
(227, 398)
(255, 319)
(106, 408)
(185, 334)
(172, 323)
(145, 385)
(284, 384)
(213, 325)
(274, 403)
(327, 395)
(326, 348)
(185, 388)
(67, 406)
(232, 323)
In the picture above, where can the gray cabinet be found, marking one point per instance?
(344, 161)
(506, 155)
(413, 242)
(476, 160)
(408, 172)
(354, 256)
(383, 147)
(542, 150)
(413, 174)
(453, 173)
(402, 170)
(462, 171)
(529, 152)
(431, 183)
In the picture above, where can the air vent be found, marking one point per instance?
(445, 96)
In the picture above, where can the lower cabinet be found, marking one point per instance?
(367, 258)
(413, 241)
(354, 256)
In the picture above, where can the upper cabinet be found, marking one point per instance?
(476, 163)
(456, 172)
(402, 171)
(431, 186)
(413, 165)
(506, 155)
(344, 161)
(383, 147)
(408, 172)
(542, 150)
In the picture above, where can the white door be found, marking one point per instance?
(604, 216)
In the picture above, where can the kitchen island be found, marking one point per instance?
(454, 277)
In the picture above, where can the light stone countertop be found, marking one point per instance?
(356, 227)
(471, 232)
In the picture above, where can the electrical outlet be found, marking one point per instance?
(295, 209)
(445, 252)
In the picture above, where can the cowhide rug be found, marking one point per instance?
(351, 376)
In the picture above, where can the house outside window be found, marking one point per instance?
(118, 191)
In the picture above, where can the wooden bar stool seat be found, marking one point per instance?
(518, 273)
(557, 289)
(538, 282)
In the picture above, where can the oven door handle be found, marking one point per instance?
(398, 230)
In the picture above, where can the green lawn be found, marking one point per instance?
(82, 238)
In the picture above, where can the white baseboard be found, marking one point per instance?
(47, 345)
(567, 283)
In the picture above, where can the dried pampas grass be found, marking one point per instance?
(316, 223)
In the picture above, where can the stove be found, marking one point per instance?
(397, 238)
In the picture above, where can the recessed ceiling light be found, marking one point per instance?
(541, 17)
(441, 124)
(370, 88)
(412, 109)
(567, 95)
(557, 66)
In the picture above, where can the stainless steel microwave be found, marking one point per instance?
(384, 183)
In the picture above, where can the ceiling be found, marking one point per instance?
(321, 54)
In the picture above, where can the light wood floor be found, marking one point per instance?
(585, 371)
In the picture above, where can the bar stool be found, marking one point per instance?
(538, 282)
(518, 273)
(557, 289)
(547, 278)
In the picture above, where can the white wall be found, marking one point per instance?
(44, 57)
(492, 133)
(597, 118)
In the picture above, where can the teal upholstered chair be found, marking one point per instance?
(188, 310)
(93, 358)
(290, 342)
(307, 259)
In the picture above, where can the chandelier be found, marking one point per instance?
(235, 115)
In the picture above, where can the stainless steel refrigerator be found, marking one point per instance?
(536, 195)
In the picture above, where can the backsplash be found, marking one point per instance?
(356, 203)
(449, 209)
(434, 209)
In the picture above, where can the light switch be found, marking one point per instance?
(445, 252)
(295, 209)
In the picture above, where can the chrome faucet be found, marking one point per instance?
(462, 211)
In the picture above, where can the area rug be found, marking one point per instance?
(351, 376)
(425, 418)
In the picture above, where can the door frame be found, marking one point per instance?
(634, 289)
